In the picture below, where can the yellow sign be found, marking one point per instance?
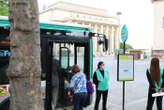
(125, 69)
(3, 90)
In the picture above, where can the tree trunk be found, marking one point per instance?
(24, 68)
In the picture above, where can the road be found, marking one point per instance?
(136, 91)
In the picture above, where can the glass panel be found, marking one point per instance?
(72, 55)
(4, 55)
(56, 51)
(64, 58)
(4, 37)
(4, 61)
(80, 57)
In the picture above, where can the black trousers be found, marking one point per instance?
(151, 99)
(98, 97)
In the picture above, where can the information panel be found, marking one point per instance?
(3, 90)
(125, 67)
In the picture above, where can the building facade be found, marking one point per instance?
(97, 19)
(158, 24)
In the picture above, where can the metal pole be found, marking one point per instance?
(123, 104)
(123, 100)
(118, 42)
(48, 77)
(124, 48)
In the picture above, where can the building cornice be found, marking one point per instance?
(75, 8)
(91, 14)
(72, 4)
(156, 1)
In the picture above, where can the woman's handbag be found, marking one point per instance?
(90, 88)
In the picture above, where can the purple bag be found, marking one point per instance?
(90, 88)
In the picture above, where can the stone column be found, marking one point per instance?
(95, 40)
(75, 22)
(107, 36)
(98, 31)
(112, 40)
(102, 32)
(90, 26)
(83, 23)
(116, 38)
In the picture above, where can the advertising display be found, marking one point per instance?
(3, 90)
(125, 68)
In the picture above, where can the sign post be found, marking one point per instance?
(124, 36)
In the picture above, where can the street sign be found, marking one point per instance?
(125, 68)
(124, 33)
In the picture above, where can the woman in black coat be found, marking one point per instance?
(156, 84)
(101, 79)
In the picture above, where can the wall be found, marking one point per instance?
(158, 25)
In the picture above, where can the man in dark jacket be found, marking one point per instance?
(55, 82)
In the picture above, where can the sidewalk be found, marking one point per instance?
(135, 105)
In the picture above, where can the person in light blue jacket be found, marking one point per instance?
(78, 85)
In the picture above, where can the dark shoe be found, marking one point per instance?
(96, 108)
(104, 108)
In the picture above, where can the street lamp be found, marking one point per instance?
(118, 39)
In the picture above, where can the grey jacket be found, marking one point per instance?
(55, 73)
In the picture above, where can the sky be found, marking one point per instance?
(137, 15)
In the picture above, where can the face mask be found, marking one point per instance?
(102, 67)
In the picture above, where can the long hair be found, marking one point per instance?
(155, 70)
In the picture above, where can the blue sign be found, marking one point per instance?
(4, 53)
(124, 33)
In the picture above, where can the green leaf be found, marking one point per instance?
(3, 7)
(128, 46)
